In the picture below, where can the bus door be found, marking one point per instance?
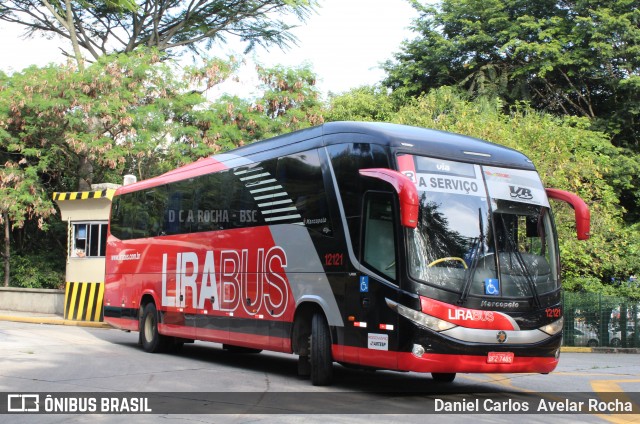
(375, 323)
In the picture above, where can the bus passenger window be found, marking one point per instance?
(347, 160)
(300, 175)
(379, 247)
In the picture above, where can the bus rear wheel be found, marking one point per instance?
(152, 341)
(320, 351)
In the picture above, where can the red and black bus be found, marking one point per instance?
(369, 244)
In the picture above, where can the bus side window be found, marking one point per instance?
(210, 202)
(175, 209)
(123, 217)
(347, 159)
(301, 176)
(379, 240)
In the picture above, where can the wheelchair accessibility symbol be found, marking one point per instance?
(364, 284)
(492, 286)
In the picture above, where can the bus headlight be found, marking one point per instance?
(553, 328)
(428, 321)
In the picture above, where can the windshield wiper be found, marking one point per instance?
(466, 288)
(527, 276)
(522, 264)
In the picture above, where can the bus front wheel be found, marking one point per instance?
(320, 352)
(152, 340)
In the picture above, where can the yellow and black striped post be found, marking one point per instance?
(83, 301)
(83, 195)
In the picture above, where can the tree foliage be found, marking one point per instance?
(367, 103)
(289, 101)
(55, 116)
(110, 26)
(579, 58)
(21, 198)
(63, 13)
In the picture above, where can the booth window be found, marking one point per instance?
(89, 239)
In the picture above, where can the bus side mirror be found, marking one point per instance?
(406, 189)
(582, 214)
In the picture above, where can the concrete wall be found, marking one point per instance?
(45, 301)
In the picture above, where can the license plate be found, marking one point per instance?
(500, 358)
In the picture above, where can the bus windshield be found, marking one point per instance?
(482, 231)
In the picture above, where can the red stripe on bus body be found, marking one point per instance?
(441, 363)
(123, 323)
(276, 344)
(177, 331)
(253, 341)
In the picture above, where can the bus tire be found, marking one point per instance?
(320, 354)
(443, 377)
(152, 341)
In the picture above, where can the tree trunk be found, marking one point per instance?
(73, 36)
(66, 21)
(7, 248)
(85, 172)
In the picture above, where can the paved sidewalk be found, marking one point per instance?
(52, 319)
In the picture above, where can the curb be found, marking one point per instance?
(616, 350)
(573, 349)
(54, 321)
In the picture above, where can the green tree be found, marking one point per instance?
(118, 26)
(141, 114)
(55, 116)
(289, 101)
(100, 27)
(63, 14)
(21, 198)
(367, 103)
(572, 58)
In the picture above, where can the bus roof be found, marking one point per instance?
(401, 138)
(409, 139)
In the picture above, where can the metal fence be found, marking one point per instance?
(591, 319)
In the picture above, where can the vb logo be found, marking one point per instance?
(520, 193)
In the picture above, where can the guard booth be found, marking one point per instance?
(87, 217)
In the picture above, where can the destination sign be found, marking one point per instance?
(516, 185)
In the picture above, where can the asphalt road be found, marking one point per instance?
(256, 388)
